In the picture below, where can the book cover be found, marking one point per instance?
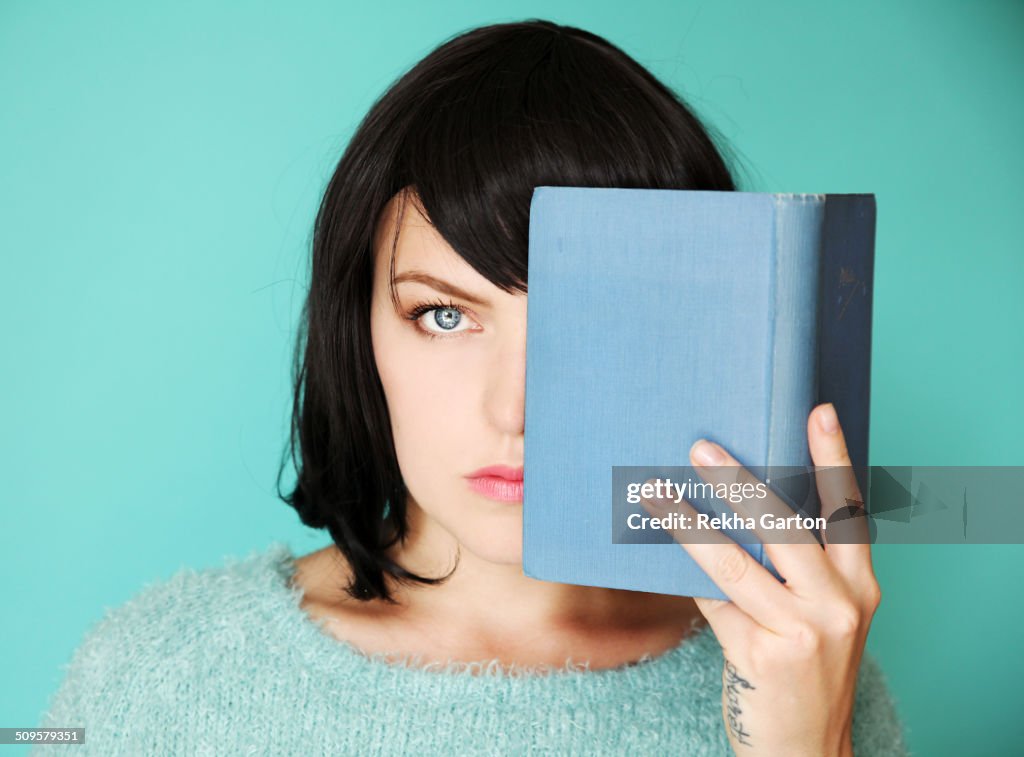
(656, 317)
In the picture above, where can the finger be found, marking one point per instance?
(794, 550)
(742, 579)
(733, 627)
(850, 546)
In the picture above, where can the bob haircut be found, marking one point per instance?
(472, 128)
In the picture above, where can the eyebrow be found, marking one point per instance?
(440, 285)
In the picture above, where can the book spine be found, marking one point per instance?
(799, 221)
(844, 333)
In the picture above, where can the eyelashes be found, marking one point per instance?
(418, 310)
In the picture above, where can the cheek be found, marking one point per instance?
(430, 403)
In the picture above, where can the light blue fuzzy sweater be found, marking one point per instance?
(225, 662)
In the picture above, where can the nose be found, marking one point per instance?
(506, 392)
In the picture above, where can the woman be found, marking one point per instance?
(416, 631)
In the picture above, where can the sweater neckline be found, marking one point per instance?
(316, 639)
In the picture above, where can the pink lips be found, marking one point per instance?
(498, 482)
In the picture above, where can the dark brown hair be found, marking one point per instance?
(473, 127)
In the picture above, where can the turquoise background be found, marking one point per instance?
(161, 169)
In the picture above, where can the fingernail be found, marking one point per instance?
(707, 453)
(828, 421)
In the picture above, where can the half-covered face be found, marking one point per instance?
(452, 361)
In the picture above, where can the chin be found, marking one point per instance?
(495, 540)
(498, 554)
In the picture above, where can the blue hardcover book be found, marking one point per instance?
(659, 316)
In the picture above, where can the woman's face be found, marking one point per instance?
(454, 382)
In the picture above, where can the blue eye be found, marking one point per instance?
(445, 318)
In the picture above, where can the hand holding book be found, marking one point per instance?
(793, 649)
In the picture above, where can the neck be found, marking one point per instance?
(489, 600)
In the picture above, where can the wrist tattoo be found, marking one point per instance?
(734, 682)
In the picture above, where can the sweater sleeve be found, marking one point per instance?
(877, 728)
(93, 694)
(130, 672)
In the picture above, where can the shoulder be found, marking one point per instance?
(877, 726)
(169, 615)
(170, 634)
